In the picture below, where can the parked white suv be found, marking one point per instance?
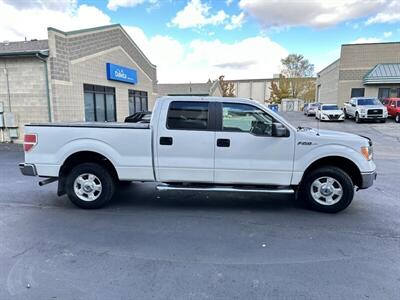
(365, 108)
(201, 143)
(329, 112)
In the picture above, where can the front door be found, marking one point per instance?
(185, 143)
(245, 150)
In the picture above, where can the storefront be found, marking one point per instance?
(96, 74)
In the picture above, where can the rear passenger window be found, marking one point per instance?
(188, 115)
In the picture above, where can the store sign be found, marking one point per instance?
(120, 73)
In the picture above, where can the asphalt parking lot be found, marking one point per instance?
(180, 245)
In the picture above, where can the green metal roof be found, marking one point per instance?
(383, 74)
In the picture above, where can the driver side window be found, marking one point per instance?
(246, 118)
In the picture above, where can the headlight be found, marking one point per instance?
(363, 111)
(367, 152)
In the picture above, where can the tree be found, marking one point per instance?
(296, 68)
(296, 80)
(228, 89)
(280, 89)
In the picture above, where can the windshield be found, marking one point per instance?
(370, 101)
(330, 107)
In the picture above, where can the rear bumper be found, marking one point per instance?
(27, 169)
(367, 179)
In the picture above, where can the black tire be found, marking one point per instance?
(107, 184)
(382, 121)
(304, 193)
(397, 118)
(346, 116)
(357, 118)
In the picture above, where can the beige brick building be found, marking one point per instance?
(370, 70)
(96, 74)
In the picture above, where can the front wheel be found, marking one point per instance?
(90, 185)
(397, 118)
(358, 120)
(327, 189)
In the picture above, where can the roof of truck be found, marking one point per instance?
(206, 98)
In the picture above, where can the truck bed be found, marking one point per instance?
(126, 145)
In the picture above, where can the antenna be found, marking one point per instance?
(318, 120)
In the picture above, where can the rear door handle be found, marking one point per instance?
(166, 140)
(223, 143)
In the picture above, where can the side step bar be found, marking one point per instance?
(278, 190)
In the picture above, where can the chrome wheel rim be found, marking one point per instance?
(87, 187)
(326, 190)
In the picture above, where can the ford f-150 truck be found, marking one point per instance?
(364, 108)
(201, 143)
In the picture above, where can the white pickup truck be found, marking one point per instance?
(364, 108)
(201, 143)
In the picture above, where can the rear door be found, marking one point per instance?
(185, 142)
(245, 150)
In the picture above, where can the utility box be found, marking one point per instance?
(10, 120)
(13, 133)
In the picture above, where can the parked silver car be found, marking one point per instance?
(311, 109)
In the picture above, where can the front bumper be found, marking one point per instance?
(373, 117)
(27, 169)
(367, 179)
(332, 117)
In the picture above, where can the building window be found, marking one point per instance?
(383, 93)
(138, 101)
(99, 103)
(357, 92)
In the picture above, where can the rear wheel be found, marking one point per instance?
(90, 185)
(327, 189)
(397, 118)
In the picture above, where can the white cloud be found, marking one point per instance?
(387, 34)
(366, 40)
(390, 14)
(196, 15)
(228, 2)
(32, 22)
(60, 5)
(200, 60)
(115, 4)
(314, 13)
(236, 21)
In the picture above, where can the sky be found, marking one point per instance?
(197, 40)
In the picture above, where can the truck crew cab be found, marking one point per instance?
(201, 143)
(365, 108)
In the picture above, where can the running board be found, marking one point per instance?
(169, 187)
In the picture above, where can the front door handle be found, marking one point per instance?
(166, 140)
(223, 143)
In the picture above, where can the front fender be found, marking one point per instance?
(305, 158)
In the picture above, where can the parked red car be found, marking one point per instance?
(393, 108)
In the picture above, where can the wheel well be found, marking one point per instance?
(83, 157)
(340, 162)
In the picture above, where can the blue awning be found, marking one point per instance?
(383, 74)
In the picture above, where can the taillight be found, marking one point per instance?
(30, 140)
